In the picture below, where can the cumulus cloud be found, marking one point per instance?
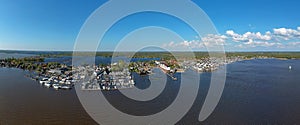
(278, 34)
(185, 44)
(278, 38)
(249, 36)
(287, 34)
(208, 41)
(252, 43)
(236, 37)
(212, 40)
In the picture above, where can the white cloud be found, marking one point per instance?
(282, 38)
(249, 36)
(287, 34)
(214, 40)
(236, 37)
(252, 44)
(231, 33)
(191, 44)
(208, 41)
(184, 44)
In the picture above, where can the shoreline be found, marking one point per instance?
(60, 76)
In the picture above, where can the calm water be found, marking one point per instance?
(15, 55)
(98, 59)
(256, 92)
(23, 101)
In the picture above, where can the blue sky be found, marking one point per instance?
(54, 25)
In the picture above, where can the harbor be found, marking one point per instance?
(243, 91)
(109, 77)
(104, 79)
(90, 78)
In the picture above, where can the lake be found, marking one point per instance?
(261, 91)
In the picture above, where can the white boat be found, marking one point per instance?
(44, 80)
(47, 84)
(68, 82)
(65, 87)
(56, 86)
(132, 82)
(290, 67)
(61, 82)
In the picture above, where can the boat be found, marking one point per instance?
(56, 86)
(174, 78)
(47, 84)
(290, 67)
(164, 68)
(44, 80)
(132, 82)
(65, 87)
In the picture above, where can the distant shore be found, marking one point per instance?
(158, 54)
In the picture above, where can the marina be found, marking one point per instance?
(109, 77)
(106, 80)
(106, 77)
(244, 92)
(147, 62)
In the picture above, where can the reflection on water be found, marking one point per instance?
(260, 92)
(256, 92)
(23, 101)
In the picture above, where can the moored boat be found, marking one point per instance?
(44, 80)
(47, 84)
(56, 86)
(65, 87)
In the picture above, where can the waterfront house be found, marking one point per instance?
(55, 71)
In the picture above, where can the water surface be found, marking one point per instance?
(262, 91)
(23, 101)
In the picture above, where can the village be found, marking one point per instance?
(117, 75)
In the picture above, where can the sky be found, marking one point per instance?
(243, 25)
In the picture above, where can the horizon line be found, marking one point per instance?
(18, 50)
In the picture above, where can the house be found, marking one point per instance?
(55, 71)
